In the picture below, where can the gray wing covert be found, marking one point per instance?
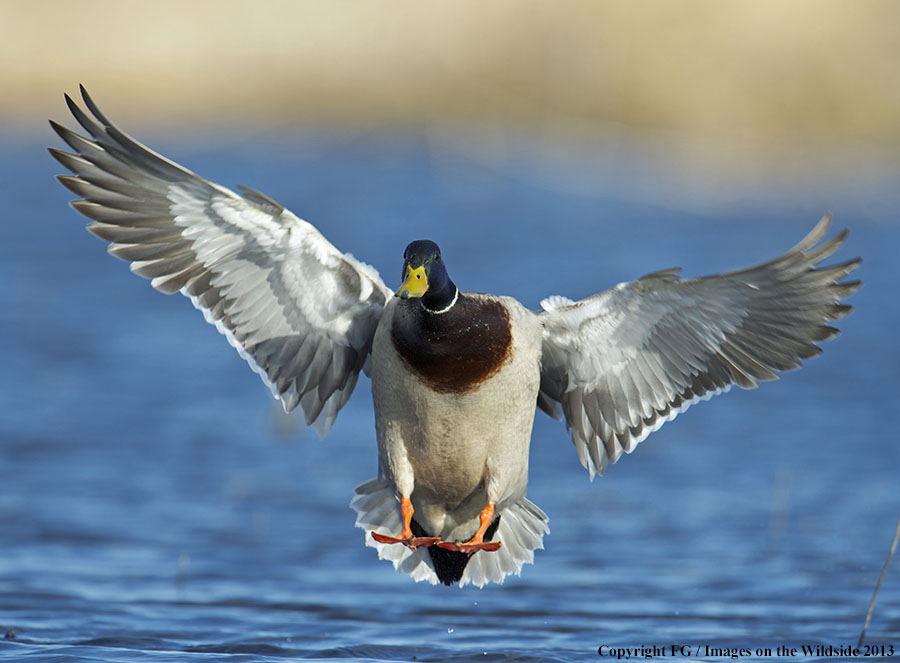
(300, 312)
(623, 362)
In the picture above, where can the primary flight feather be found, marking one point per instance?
(456, 376)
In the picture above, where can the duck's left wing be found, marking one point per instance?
(625, 361)
(299, 311)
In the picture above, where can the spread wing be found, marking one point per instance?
(299, 311)
(625, 361)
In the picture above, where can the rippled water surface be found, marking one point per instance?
(155, 506)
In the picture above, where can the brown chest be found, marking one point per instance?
(453, 352)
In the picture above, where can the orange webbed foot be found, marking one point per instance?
(477, 541)
(406, 536)
(408, 541)
(470, 548)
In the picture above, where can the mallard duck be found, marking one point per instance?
(456, 376)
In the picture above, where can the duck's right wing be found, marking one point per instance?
(298, 310)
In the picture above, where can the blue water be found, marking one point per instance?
(155, 506)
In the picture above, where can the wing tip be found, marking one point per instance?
(60, 130)
(815, 235)
(92, 106)
(71, 103)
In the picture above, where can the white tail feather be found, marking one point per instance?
(521, 531)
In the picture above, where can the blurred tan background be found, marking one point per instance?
(754, 87)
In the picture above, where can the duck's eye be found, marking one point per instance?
(437, 257)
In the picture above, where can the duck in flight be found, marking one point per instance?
(456, 376)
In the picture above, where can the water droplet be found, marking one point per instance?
(449, 630)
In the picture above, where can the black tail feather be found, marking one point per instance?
(450, 564)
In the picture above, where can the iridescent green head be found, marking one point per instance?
(426, 277)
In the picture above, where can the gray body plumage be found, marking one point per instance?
(308, 319)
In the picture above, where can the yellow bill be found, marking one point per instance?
(415, 283)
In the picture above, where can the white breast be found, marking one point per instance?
(448, 446)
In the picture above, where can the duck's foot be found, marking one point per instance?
(406, 536)
(408, 541)
(470, 548)
(477, 541)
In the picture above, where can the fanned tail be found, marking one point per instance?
(378, 510)
(520, 527)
